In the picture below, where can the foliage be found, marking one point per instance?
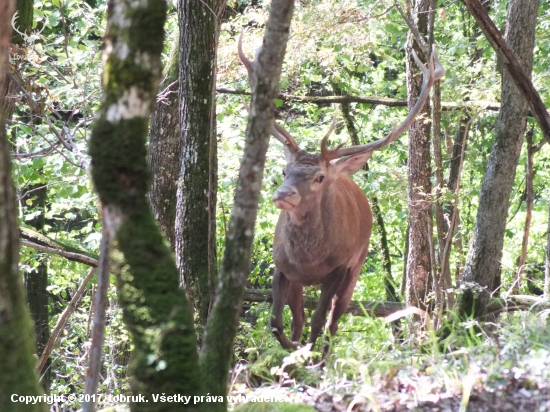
(274, 407)
(351, 47)
(513, 359)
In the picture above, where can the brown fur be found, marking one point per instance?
(321, 241)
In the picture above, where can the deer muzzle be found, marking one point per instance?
(286, 198)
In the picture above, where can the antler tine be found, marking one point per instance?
(246, 61)
(433, 72)
(290, 142)
(276, 130)
(326, 153)
(277, 135)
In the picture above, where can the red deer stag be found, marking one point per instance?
(322, 235)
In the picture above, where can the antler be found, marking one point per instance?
(430, 74)
(23, 35)
(326, 153)
(276, 130)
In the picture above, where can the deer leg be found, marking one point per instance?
(296, 303)
(343, 296)
(330, 286)
(281, 287)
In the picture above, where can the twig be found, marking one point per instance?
(39, 153)
(34, 106)
(162, 97)
(414, 30)
(61, 322)
(100, 305)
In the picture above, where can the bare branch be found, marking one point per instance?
(62, 321)
(382, 101)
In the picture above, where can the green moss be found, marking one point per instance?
(17, 346)
(156, 312)
(118, 161)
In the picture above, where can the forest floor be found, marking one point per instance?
(419, 393)
(508, 371)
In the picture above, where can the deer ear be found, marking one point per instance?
(351, 164)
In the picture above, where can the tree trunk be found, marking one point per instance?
(164, 150)
(17, 338)
(155, 310)
(482, 267)
(419, 267)
(36, 282)
(385, 258)
(224, 320)
(529, 195)
(547, 263)
(197, 184)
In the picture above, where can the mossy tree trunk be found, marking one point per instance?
(482, 268)
(155, 309)
(419, 266)
(17, 363)
(224, 319)
(197, 183)
(36, 279)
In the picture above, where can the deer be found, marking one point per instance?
(325, 223)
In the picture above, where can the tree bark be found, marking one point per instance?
(17, 338)
(529, 200)
(164, 150)
(419, 267)
(36, 282)
(482, 267)
(224, 320)
(155, 309)
(547, 261)
(197, 184)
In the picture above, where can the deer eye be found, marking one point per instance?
(284, 173)
(320, 179)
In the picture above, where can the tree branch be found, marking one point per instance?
(62, 321)
(382, 101)
(44, 243)
(510, 61)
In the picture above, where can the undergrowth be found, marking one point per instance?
(373, 374)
